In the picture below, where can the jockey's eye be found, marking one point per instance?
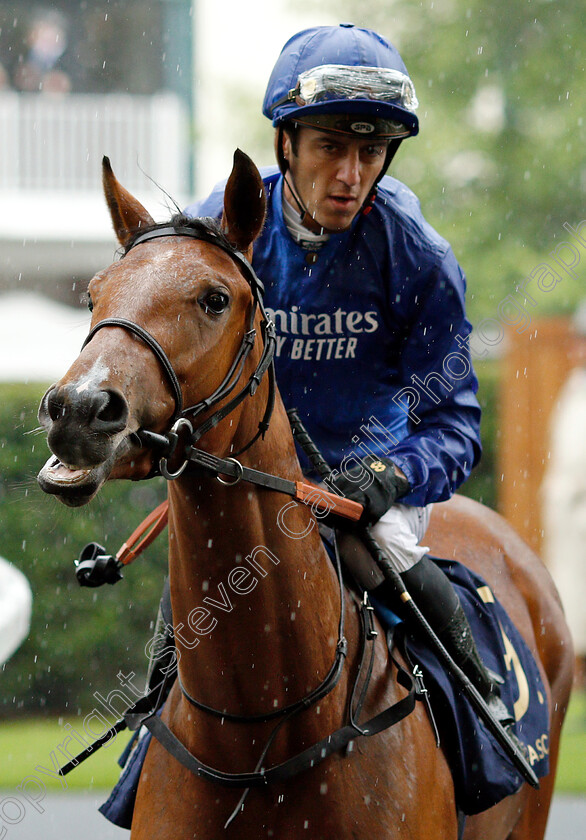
(214, 302)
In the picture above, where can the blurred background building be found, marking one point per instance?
(161, 87)
(80, 80)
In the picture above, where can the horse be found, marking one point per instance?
(255, 597)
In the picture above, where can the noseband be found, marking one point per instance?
(183, 418)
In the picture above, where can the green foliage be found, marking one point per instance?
(80, 638)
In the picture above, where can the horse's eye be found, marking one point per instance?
(90, 303)
(215, 302)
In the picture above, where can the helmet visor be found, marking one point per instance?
(339, 82)
(355, 125)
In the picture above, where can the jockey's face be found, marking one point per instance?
(332, 173)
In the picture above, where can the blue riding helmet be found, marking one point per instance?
(342, 70)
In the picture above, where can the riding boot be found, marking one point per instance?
(438, 601)
(458, 640)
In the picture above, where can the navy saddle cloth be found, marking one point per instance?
(482, 773)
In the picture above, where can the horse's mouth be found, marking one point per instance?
(75, 485)
(72, 485)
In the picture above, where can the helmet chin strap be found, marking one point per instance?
(370, 198)
(304, 218)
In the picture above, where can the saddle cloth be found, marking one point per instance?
(482, 773)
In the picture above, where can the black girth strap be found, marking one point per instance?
(303, 761)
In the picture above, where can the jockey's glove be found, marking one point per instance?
(376, 486)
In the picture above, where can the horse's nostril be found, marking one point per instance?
(55, 407)
(114, 409)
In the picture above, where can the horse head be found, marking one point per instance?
(174, 310)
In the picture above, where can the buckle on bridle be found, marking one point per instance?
(237, 477)
(179, 425)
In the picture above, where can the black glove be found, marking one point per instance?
(382, 487)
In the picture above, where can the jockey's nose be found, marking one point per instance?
(349, 168)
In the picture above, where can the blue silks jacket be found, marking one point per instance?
(373, 338)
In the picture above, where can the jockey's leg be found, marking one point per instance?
(399, 533)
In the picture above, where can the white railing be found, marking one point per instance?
(50, 143)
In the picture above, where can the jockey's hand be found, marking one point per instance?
(376, 487)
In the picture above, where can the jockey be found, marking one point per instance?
(368, 302)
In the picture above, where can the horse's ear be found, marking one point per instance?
(128, 214)
(244, 203)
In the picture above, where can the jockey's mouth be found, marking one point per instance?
(343, 200)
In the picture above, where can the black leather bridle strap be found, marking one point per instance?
(153, 345)
(202, 230)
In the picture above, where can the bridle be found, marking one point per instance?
(144, 712)
(202, 229)
(183, 419)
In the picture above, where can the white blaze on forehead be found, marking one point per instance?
(95, 376)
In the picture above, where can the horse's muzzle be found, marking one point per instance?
(83, 424)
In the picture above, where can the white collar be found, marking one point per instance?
(301, 234)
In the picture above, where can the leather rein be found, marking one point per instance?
(144, 712)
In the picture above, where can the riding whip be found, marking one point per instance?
(415, 615)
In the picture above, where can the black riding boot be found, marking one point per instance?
(438, 601)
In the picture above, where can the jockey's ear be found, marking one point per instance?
(128, 214)
(244, 203)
